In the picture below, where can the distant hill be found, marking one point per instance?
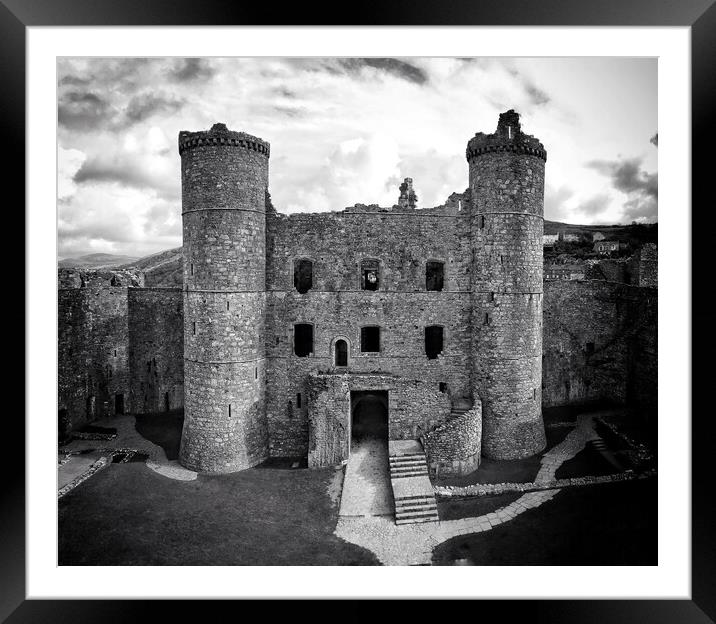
(160, 269)
(95, 261)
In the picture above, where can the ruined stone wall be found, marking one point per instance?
(599, 343)
(224, 191)
(93, 366)
(454, 447)
(414, 407)
(156, 350)
(337, 307)
(507, 191)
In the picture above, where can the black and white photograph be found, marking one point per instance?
(357, 311)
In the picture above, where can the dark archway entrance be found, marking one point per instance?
(369, 415)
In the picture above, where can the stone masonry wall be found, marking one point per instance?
(337, 307)
(599, 343)
(224, 192)
(414, 407)
(93, 366)
(454, 447)
(507, 196)
(156, 350)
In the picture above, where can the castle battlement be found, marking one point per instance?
(219, 134)
(508, 137)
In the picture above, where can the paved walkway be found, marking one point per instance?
(413, 544)
(366, 487)
(127, 438)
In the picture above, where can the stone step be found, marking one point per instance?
(407, 464)
(407, 500)
(416, 460)
(409, 474)
(405, 511)
(433, 518)
(396, 458)
(410, 466)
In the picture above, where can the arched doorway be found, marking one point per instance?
(369, 415)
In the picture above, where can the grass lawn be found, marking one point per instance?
(517, 471)
(610, 524)
(458, 508)
(129, 515)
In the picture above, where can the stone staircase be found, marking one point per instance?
(412, 489)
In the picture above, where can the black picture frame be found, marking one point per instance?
(699, 15)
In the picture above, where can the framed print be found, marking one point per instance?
(331, 311)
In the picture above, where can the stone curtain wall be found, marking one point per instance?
(156, 349)
(414, 407)
(224, 193)
(93, 365)
(507, 194)
(337, 307)
(621, 322)
(453, 448)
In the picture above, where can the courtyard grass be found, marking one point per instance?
(610, 524)
(129, 515)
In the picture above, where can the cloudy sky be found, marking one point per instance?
(345, 131)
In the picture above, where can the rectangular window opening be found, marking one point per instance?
(370, 339)
(434, 275)
(303, 339)
(370, 274)
(433, 341)
(303, 275)
(442, 386)
(298, 400)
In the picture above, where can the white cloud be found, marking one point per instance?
(341, 132)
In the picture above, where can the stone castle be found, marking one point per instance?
(286, 323)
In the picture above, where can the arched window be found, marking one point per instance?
(370, 274)
(303, 275)
(434, 275)
(433, 341)
(341, 356)
(303, 339)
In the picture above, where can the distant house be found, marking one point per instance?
(570, 238)
(563, 272)
(606, 247)
(548, 240)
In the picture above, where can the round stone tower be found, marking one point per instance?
(224, 188)
(507, 221)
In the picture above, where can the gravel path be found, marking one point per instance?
(413, 544)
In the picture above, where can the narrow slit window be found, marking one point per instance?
(298, 400)
(229, 410)
(482, 221)
(227, 305)
(341, 357)
(433, 341)
(590, 348)
(191, 268)
(487, 319)
(434, 275)
(370, 339)
(256, 372)
(303, 339)
(370, 274)
(303, 275)
(193, 328)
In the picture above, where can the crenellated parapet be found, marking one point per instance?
(508, 137)
(219, 134)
